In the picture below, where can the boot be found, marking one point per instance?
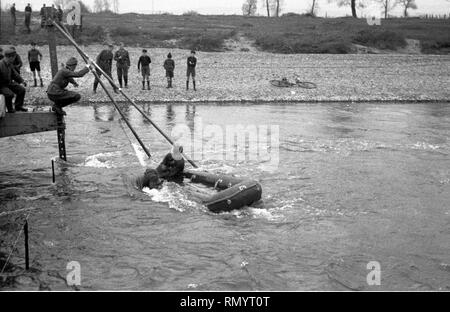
(120, 83)
(194, 85)
(187, 85)
(143, 84)
(35, 83)
(21, 109)
(42, 84)
(58, 110)
(148, 84)
(126, 83)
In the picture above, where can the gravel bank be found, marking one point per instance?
(245, 76)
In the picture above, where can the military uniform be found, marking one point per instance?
(10, 86)
(104, 61)
(123, 63)
(144, 67)
(12, 11)
(191, 63)
(57, 92)
(28, 12)
(17, 63)
(169, 66)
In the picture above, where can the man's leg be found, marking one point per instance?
(20, 96)
(193, 78)
(34, 77)
(111, 82)
(125, 76)
(40, 78)
(119, 75)
(96, 82)
(9, 95)
(187, 79)
(62, 100)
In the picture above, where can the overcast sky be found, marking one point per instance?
(234, 6)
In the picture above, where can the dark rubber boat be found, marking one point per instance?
(234, 193)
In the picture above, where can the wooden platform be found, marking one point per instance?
(25, 123)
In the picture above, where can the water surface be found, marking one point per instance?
(355, 183)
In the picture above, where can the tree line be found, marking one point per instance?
(274, 7)
(98, 6)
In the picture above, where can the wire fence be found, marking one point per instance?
(14, 246)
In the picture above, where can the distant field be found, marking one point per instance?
(290, 34)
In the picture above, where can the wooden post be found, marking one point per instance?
(61, 137)
(27, 255)
(53, 171)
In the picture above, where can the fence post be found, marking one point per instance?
(27, 255)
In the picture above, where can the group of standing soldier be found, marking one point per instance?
(57, 14)
(123, 63)
(12, 84)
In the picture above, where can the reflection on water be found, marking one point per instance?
(355, 183)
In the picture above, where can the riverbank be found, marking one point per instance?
(245, 76)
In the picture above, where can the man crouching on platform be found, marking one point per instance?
(10, 82)
(57, 92)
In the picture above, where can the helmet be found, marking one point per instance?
(72, 61)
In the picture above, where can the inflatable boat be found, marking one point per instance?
(233, 193)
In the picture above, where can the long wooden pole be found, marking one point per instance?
(87, 61)
(86, 57)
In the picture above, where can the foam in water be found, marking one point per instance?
(425, 146)
(101, 160)
(172, 194)
(140, 154)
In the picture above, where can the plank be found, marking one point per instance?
(25, 123)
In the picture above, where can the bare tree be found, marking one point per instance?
(249, 7)
(352, 3)
(277, 6)
(408, 4)
(98, 6)
(116, 6)
(106, 6)
(314, 7)
(62, 3)
(387, 5)
(267, 5)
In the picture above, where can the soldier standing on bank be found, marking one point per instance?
(42, 14)
(144, 67)
(34, 59)
(12, 10)
(28, 12)
(104, 61)
(191, 63)
(122, 59)
(169, 66)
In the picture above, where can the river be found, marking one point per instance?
(352, 184)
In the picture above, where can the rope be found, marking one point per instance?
(14, 246)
